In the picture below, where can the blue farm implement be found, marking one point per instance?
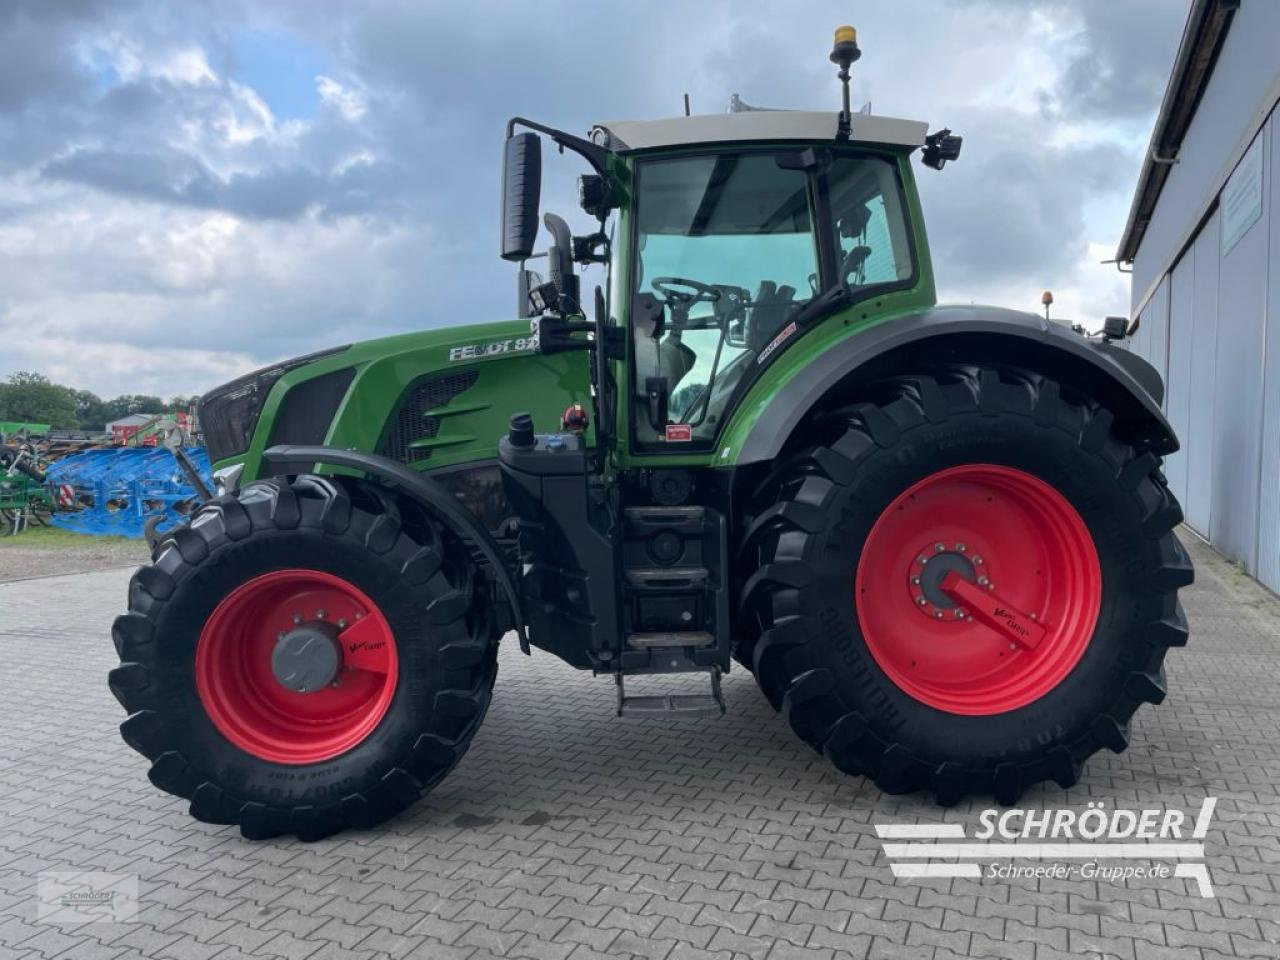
(117, 491)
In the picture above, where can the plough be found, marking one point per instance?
(119, 491)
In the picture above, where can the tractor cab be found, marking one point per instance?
(725, 238)
(730, 249)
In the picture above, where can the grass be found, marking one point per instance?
(55, 538)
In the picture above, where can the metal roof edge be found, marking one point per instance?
(1208, 22)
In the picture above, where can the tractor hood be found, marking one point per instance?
(432, 399)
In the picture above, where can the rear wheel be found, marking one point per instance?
(310, 655)
(968, 585)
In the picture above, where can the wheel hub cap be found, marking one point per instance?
(928, 572)
(307, 657)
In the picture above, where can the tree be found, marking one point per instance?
(34, 398)
(91, 412)
(128, 403)
(180, 404)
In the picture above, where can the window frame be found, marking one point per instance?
(826, 244)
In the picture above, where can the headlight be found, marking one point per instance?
(229, 413)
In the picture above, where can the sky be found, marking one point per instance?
(188, 191)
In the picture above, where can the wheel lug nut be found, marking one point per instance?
(922, 559)
(977, 559)
(921, 601)
(915, 580)
(938, 614)
(939, 547)
(342, 624)
(297, 618)
(319, 614)
(960, 548)
(982, 581)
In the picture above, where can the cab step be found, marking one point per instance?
(673, 706)
(668, 578)
(685, 638)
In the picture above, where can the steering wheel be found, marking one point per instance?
(696, 292)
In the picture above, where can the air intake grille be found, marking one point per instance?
(307, 410)
(410, 422)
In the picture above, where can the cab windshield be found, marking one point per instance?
(727, 246)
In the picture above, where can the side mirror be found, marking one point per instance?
(521, 192)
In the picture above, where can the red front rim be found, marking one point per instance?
(978, 589)
(253, 709)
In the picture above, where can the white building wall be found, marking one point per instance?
(1212, 328)
(1210, 319)
(1198, 441)
(1241, 91)
(1179, 386)
(1269, 481)
(1237, 436)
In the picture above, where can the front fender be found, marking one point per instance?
(1127, 384)
(427, 491)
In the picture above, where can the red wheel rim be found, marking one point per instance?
(253, 709)
(978, 589)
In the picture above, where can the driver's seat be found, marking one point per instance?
(772, 306)
(666, 358)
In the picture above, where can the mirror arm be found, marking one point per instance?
(594, 154)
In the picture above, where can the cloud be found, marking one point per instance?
(172, 210)
(1117, 57)
(349, 103)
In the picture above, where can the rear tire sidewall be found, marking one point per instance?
(1087, 481)
(251, 778)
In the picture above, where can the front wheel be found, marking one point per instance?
(311, 655)
(968, 585)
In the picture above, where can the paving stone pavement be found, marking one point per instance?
(568, 834)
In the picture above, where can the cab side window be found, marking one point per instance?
(866, 210)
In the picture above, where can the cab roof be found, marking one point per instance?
(629, 136)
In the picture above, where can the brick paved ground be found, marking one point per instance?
(566, 833)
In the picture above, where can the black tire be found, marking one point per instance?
(801, 635)
(422, 580)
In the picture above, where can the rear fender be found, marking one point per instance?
(1128, 385)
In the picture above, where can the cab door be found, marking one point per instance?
(724, 250)
(728, 250)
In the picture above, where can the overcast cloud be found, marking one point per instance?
(189, 190)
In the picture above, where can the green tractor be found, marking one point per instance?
(938, 537)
